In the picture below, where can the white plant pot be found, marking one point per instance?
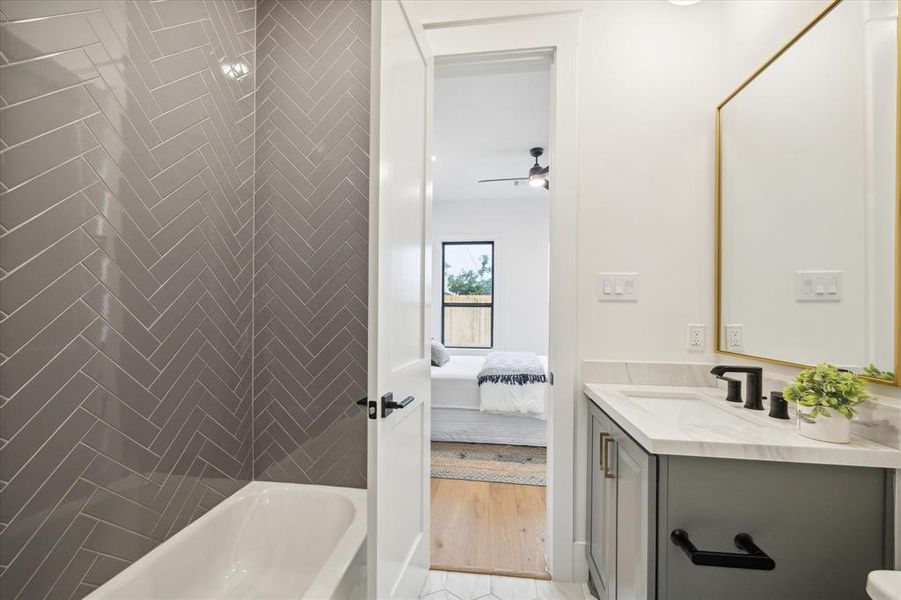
(835, 428)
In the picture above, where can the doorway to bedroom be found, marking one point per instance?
(490, 316)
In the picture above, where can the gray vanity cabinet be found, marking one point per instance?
(622, 513)
(824, 526)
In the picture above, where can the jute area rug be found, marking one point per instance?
(490, 462)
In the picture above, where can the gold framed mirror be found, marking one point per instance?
(808, 199)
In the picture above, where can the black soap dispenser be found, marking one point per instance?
(778, 406)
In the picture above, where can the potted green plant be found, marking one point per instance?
(825, 397)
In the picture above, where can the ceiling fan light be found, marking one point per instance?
(536, 180)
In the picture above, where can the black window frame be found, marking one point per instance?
(444, 304)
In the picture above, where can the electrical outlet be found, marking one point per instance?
(733, 337)
(695, 337)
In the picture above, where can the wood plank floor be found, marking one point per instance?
(484, 527)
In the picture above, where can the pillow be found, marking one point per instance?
(439, 354)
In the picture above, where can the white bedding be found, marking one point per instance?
(455, 385)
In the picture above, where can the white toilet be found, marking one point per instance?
(884, 585)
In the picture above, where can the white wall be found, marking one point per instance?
(753, 30)
(519, 230)
(648, 86)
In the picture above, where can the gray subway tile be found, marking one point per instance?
(118, 542)
(41, 154)
(19, 82)
(112, 377)
(35, 394)
(21, 244)
(109, 409)
(31, 358)
(26, 322)
(106, 339)
(31, 39)
(22, 285)
(24, 443)
(50, 471)
(26, 120)
(39, 194)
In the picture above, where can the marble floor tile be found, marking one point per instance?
(441, 585)
(435, 582)
(513, 588)
(468, 586)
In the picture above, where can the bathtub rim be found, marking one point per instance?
(324, 583)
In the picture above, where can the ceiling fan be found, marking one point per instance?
(538, 175)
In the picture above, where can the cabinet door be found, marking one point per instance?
(824, 525)
(634, 548)
(602, 508)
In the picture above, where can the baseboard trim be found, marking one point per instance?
(580, 562)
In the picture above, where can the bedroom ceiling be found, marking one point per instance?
(487, 116)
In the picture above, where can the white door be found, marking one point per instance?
(399, 350)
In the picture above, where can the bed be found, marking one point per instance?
(455, 409)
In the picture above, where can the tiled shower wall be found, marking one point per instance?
(128, 131)
(310, 242)
(126, 209)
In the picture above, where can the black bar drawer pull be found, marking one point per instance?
(389, 405)
(750, 557)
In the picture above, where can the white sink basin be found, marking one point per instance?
(690, 408)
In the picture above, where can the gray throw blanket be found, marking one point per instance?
(512, 368)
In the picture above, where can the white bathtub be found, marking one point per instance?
(268, 540)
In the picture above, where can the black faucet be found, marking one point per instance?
(754, 399)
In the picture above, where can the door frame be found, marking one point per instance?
(557, 34)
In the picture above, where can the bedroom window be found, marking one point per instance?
(467, 298)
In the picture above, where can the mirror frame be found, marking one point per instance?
(718, 197)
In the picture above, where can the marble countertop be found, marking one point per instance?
(708, 426)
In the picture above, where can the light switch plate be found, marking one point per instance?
(818, 286)
(617, 287)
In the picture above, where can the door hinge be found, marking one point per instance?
(551, 377)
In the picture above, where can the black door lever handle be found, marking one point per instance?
(389, 405)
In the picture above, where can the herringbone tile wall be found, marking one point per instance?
(126, 205)
(139, 308)
(311, 205)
